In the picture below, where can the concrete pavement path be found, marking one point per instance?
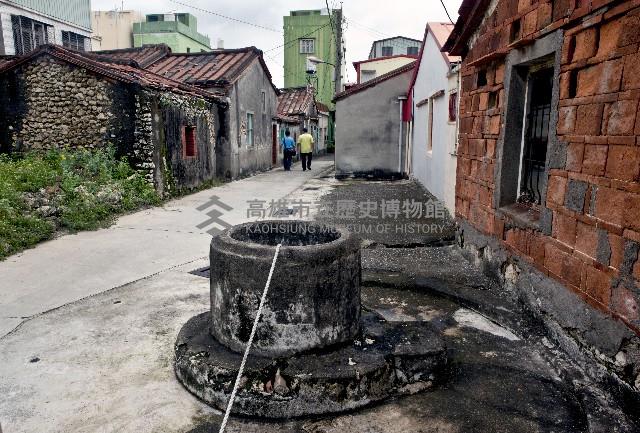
(141, 244)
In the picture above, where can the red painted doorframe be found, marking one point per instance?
(274, 145)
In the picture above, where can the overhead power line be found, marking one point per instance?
(292, 41)
(446, 11)
(227, 17)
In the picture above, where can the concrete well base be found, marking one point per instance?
(388, 359)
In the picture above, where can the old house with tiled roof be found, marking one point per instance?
(56, 97)
(548, 166)
(236, 136)
(297, 109)
(242, 76)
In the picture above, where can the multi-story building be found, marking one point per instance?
(26, 24)
(113, 30)
(179, 31)
(313, 33)
(396, 46)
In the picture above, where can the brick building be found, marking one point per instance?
(548, 192)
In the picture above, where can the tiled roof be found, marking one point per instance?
(322, 107)
(294, 101)
(217, 68)
(371, 83)
(117, 71)
(143, 56)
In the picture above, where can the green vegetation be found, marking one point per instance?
(65, 190)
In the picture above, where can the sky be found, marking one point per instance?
(366, 21)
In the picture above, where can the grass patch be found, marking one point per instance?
(41, 193)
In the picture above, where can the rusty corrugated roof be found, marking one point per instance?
(218, 68)
(142, 56)
(117, 71)
(294, 101)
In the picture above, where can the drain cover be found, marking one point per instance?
(202, 272)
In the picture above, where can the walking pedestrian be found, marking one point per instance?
(288, 150)
(306, 149)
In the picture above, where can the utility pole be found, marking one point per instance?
(338, 67)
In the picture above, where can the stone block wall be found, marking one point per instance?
(66, 107)
(586, 234)
(49, 104)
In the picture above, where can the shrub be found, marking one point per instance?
(65, 190)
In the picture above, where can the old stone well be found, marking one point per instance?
(315, 350)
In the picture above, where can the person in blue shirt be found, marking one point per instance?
(288, 149)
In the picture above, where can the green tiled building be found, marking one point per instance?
(179, 31)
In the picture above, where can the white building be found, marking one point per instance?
(26, 24)
(398, 45)
(433, 101)
(113, 30)
(372, 68)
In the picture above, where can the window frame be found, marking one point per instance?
(189, 141)
(388, 48)
(19, 24)
(546, 50)
(74, 41)
(416, 49)
(453, 106)
(532, 72)
(301, 45)
(250, 132)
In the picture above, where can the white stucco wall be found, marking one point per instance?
(368, 128)
(382, 66)
(435, 168)
(6, 10)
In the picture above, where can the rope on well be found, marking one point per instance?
(250, 342)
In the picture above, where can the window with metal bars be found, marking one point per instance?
(307, 46)
(189, 141)
(536, 137)
(28, 34)
(73, 41)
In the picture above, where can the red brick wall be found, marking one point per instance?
(599, 121)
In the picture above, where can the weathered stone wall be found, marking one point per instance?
(170, 113)
(587, 235)
(48, 104)
(66, 107)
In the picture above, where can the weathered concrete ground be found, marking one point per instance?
(141, 244)
(105, 363)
